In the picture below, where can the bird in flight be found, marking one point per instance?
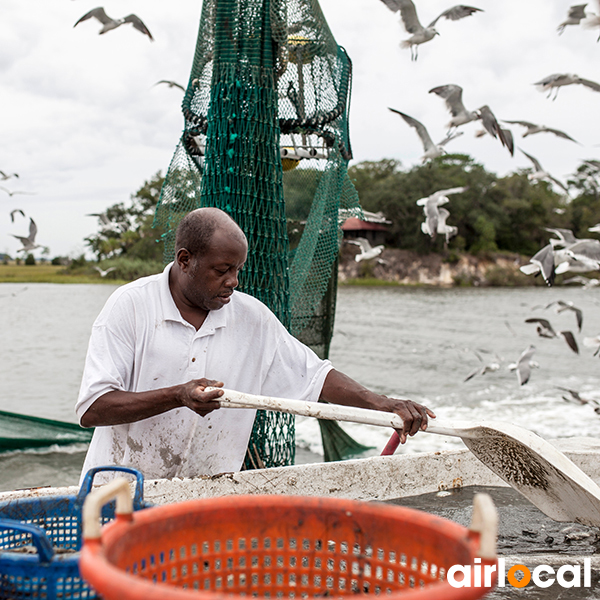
(574, 17)
(558, 80)
(366, 250)
(434, 221)
(4, 176)
(544, 329)
(170, 84)
(13, 192)
(523, 365)
(452, 94)
(431, 150)
(108, 23)
(540, 173)
(104, 272)
(421, 34)
(533, 128)
(562, 306)
(29, 241)
(12, 214)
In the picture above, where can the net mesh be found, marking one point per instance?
(266, 121)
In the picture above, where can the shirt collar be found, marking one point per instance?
(215, 319)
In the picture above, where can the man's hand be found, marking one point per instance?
(194, 396)
(415, 416)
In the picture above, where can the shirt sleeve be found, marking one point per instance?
(295, 372)
(110, 357)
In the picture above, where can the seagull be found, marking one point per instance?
(576, 398)
(562, 306)
(486, 368)
(421, 34)
(540, 173)
(558, 80)
(533, 128)
(591, 342)
(104, 273)
(524, 365)
(586, 282)
(366, 251)
(171, 84)
(492, 126)
(575, 15)
(15, 192)
(431, 209)
(107, 225)
(12, 214)
(542, 262)
(566, 236)
(4, 176)
(544, 329)
(28, 242)
(452, 94)
(586, 252)
(448, 230)
(108, 24)
(431, 150)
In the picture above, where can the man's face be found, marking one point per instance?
(212, 277)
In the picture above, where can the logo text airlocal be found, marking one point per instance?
(543, 576)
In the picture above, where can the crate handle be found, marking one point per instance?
(485, 522)
(117, 488)
(86, 485)
(38, 535)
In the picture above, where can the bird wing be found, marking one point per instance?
(138, 24)
(452, 94)
(12, 214)
(99, 14)
(586, 248)
(32, 230)
(559, 133)
(544, 259)
(420, 128)
(455, 13)
(536, 163)
(566, 235)
(559, 183)
(543, 322)
(362, 242)
(450, 137)
(570, 339)
(523, 368)
(578, 314)
(393, 5)
(591, 84)
(440, 193)
(408, 12)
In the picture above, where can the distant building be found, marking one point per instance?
(373, 227)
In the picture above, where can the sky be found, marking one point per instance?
(84, 125)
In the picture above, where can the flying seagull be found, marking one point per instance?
(447, 230)
(104, 272)
(431, 150)
(4, 176)
(562, 306)
(533, 128)
(108, 24)
(366, 251)
(540, 173)
(543, 261)
(586, 282)
(29, 241)
(12, 214)
(433, 223)
(586, 252)
(14, 192)
(523, 365)
(544, 329)
(421, 34)
(107, 225)
(558, 80)
(575, 15)
(492, 126)
(171, 84)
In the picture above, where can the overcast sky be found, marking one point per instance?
(84, 125)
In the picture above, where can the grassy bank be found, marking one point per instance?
(47, 274)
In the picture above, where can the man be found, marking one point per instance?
(159, 339)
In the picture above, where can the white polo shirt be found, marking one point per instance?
(141, 342)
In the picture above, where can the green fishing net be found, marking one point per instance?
(266, 140)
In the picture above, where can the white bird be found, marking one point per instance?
(29, 241)
(431, 208)
(421, 34)
(431, 150)
(108, 24)
(595, 228)
(533, 128)
(575, 15)
(524, 365)
(447, 230)
(14, 192)
(586, 252)
(557, 80)
(4, 176)
(566, 237)
(171, 84)
(543, 261)
(107, 225)
(586, 282)
(104, 272)
(544, 329)
(367, 252)
(562, 306)
(539, 173)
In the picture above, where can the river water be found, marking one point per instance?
(409, 342)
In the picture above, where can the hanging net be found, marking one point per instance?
(266, 140)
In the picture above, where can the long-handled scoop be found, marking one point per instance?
(528, 463)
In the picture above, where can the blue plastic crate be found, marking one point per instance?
(40, 539)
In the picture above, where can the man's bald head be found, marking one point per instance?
(196, 229)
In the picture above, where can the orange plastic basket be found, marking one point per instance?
(277, 547)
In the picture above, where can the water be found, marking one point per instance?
(412, 343)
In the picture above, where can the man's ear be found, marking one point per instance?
(183, 258)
